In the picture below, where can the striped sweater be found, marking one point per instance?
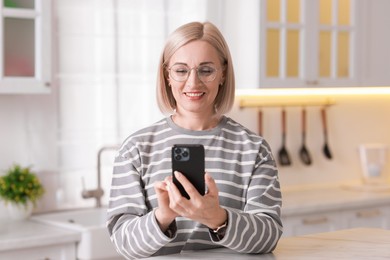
(245, 172)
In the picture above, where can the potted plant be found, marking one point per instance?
(20, 188)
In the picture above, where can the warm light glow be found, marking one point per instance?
(346, 91)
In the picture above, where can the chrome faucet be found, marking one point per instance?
(98, 192)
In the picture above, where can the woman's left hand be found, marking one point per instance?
(204, 209)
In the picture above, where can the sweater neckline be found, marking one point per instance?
(211, 131)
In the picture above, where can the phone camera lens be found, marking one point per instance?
(178, 157)
(177, 150)
(185, 154)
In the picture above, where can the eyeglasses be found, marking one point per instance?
(181, 72)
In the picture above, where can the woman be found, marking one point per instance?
(147, 214)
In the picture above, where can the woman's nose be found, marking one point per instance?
(193, 77)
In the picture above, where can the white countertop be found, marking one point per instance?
(306, 201)
(25, 234)
(360, 243)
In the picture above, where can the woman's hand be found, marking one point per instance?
(204, 209)
(164, 214)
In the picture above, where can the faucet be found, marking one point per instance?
(98, 192)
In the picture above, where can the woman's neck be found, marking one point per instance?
(196, 122)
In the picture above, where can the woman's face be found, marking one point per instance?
(197, 93)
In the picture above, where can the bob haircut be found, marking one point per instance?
(186, 33)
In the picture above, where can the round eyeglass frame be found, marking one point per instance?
(189, 73)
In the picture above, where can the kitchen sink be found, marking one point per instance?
(95, 241)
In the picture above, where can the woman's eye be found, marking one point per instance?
(206, 70)
(181, 71)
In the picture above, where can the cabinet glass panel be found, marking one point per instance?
(273, 10)
(293, 11)
(19, 47)
(343, 54)
(344, 15)
(325, 12)
(324, 54)
(293, 53)
(272, 52)
(28, 4)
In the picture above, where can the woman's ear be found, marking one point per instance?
(222, 81)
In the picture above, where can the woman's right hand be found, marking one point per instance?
(164, 214)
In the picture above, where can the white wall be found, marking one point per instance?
(31, 133)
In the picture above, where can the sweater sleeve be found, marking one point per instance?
(133, 228)
(258, 227)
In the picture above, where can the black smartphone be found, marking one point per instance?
(189, 160)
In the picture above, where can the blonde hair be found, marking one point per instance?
(186, 33)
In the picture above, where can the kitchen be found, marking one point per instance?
(88, 107)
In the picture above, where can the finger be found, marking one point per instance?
(172, 189)
(212, 188)
(168, 178)
(160, 186)
(187, 185)
(175, 198)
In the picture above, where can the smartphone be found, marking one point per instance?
(189, 160)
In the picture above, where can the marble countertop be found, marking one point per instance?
(305, 201)
(26, 234)
(360, 243)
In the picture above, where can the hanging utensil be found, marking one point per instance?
(260, 122)
(303, 152)
(326, 148)
(284, 158)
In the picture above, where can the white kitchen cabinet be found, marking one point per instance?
(55, 252)
(376, 217)
(25, 62)
(303, 224)
(324, 43)
(311, 223)
(375, 65)
(308, 43)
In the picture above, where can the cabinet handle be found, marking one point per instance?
(312, 82)
(368, 213)
(315, 221)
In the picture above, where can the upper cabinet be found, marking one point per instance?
(324, 43)
(25, 59)
(308, 43)
(375, 42)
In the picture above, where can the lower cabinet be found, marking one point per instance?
(311, 223)
(54, 252)
(375, 217)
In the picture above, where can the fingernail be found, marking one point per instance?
(177, 174)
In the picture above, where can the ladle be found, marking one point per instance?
(303, 152)
(326, 148)
(284, 158)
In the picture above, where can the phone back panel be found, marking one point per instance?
(189, 160)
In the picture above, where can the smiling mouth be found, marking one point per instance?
(194, 94)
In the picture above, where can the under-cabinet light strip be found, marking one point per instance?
(346, 91)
